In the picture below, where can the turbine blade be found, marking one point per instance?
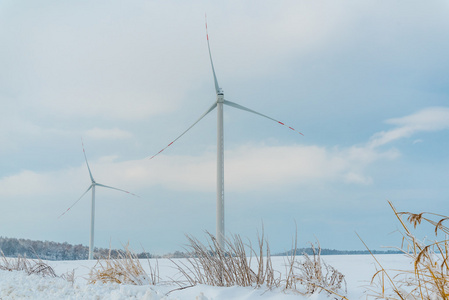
(217, 88)
(110, 187)
(257, 113)
(76, 201)
(202, 116)
(88, 168)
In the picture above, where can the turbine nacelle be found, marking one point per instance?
(220, 96)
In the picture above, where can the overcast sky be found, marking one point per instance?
(366, 82)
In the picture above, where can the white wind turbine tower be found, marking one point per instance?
(220, 227)
(92, 212)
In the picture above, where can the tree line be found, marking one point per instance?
(324, 251)
(46, 250)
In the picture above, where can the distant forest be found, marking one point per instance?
(309, 251)
(13, 247)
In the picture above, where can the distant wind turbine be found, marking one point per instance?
(220, 229)
(92, 212)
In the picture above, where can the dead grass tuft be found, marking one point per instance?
(29, 266)
(212, 265)
(125, 268)
(69, 276)
(429, 278)
(314, 275)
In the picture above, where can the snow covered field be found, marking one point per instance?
(358, 270)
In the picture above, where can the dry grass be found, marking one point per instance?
(29, 266)
(240, 264)
(290, 282)
(429, 278)
(314, 276)
(232, 265)
(69, 276)
(125, 268)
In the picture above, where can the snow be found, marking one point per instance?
(358, 270)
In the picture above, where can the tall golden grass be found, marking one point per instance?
(124, 268)
(429, 278)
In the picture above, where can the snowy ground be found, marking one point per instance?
(358, 270)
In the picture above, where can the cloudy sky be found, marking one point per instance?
(366, 82)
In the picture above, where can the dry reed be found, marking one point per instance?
(232, 265)
(429, 278)
(125, 268)
(240, 264)
(29, 266)
(314, 275)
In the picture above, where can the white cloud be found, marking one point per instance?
(26, 183)
(31, 183)
(251, 166)
(428, 119)
(17, 132)
(114, 133)
(247, 167)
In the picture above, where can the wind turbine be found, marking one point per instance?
(92, 211)
(220, 228)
